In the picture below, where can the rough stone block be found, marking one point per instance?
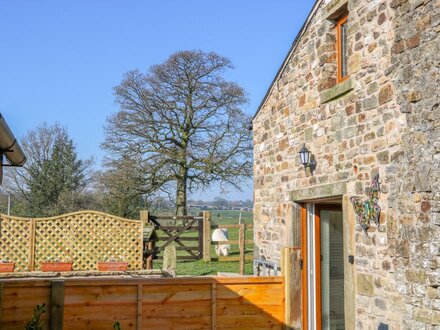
(415, 275)
(365, 284)
(385, 94)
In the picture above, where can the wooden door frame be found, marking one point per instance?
(317, 238)
(304, 265)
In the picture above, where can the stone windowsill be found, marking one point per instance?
(337, 90)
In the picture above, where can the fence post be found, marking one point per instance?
(150, 245)
(242, 241)
(200, 234)
(206, 236)
(32, 239)
(1, 304)
(139, 306)
(57, 305)
(292, 286)
(144, 217)
(144, 220)
(169, 260)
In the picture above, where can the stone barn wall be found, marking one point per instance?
(385, 119)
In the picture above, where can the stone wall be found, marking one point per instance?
(414, 223)
(387, 122)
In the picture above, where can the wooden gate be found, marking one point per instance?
(185, 232)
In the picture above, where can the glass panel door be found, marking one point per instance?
(331, 279)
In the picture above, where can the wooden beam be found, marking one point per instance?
(181, 238)
(286, 270)
(179, 258)
(292, 287)
(229, 226)
(233, 242)
(236, 258)
(57, 305)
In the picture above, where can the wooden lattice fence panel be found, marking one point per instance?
(88, 237)
(15, 241)
(85, 237)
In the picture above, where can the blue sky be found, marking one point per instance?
(59, 60)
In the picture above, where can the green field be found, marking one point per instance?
(199, 267)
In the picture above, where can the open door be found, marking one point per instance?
(323, 267)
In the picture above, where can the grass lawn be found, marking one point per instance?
(199, 267)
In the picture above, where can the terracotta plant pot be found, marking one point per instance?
(56, 266)
(106, 266)
(7, 267)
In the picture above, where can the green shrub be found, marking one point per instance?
(35, 322)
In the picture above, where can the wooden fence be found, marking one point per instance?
(197, 245)
(85, 237)
(175, 303)
(186, 232)
(241, 242)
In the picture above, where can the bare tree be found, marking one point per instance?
(183, 120)
(121, 189)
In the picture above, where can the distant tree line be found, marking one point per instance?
(222, 203)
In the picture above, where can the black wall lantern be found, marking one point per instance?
(307, 159)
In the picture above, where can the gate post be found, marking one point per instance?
(200, 234)
(206, 236)
(291, 270)
(146, 245)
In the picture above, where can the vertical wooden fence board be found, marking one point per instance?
(57, 305)
(1, 303)
(214, 306)
(139, 307)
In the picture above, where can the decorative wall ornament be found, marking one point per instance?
(368, 210)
